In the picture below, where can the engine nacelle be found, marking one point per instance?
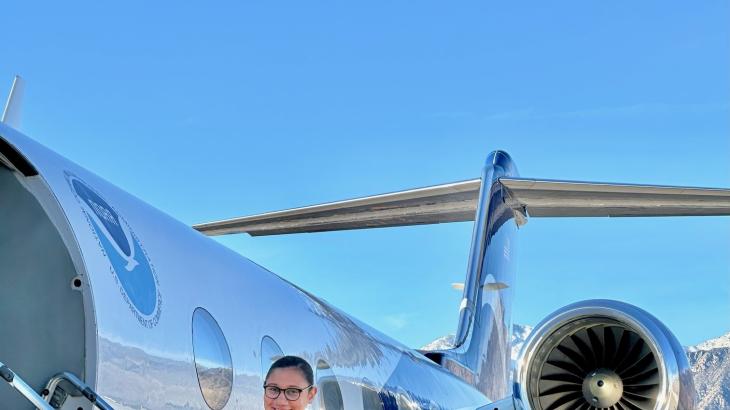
(603, 354)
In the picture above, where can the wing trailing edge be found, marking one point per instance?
(454, 202)
(547, 198)
(457, 202)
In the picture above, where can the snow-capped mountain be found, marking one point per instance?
(519, 335)
(717, 343)
(443, 342)
(709, 360)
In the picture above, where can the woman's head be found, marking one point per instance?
(289, 384)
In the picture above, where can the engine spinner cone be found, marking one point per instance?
(603, 388)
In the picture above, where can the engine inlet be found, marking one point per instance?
(590, 357)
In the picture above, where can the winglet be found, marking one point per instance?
(11, 114)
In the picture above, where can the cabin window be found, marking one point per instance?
(270, 352)
(370, 397)
(330, 395)
(212, 360)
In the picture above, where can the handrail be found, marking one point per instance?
(79, 385)
(23, 388)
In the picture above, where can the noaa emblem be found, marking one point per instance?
(130, 265)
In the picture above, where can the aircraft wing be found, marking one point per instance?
(457, 202)
(547, 198)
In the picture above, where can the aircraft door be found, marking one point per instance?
(45, 301)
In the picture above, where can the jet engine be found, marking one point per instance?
(603, 354)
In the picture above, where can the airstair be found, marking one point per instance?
(64, 391)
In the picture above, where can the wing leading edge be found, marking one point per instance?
(457, 202)
(546, 198)
(454, 202)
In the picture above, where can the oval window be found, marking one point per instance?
(329, 388)
(270, 352)
(370, 398)
(212, 360)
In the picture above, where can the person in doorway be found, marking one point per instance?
(289, 384)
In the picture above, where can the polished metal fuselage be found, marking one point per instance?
(144, 357)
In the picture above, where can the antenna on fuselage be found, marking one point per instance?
(11, 114)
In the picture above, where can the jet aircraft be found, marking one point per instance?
(100, 311)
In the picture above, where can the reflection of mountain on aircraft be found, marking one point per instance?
(144, 312)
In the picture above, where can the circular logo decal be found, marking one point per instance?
(130, 265)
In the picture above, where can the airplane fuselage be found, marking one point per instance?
(142, 275)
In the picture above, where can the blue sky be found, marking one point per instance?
(231, 109)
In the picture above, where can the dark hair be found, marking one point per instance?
(293, 361)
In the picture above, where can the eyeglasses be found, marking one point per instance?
(290, 393)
